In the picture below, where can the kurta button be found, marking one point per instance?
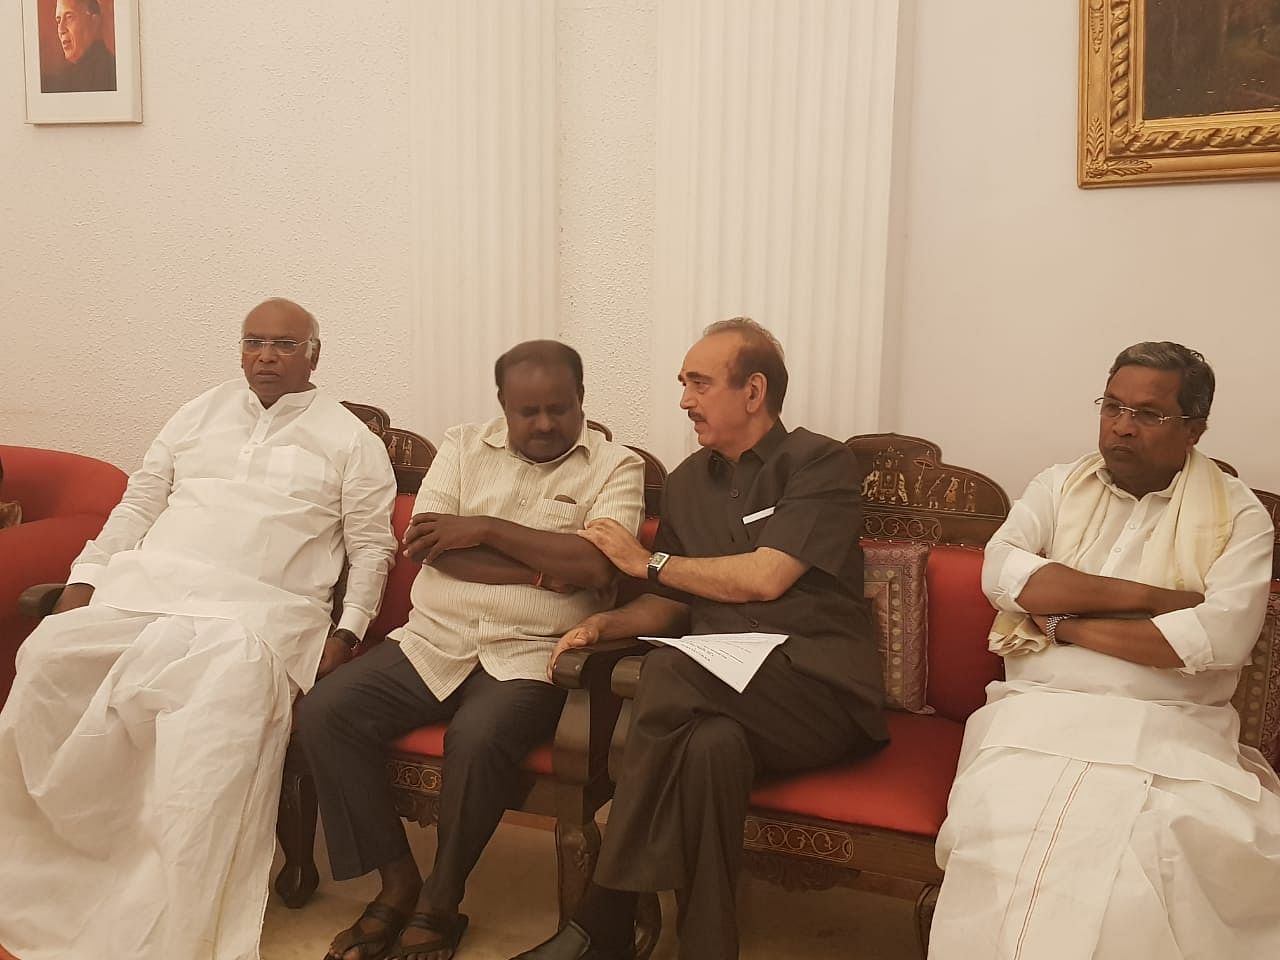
(733, 494)
(754, 623)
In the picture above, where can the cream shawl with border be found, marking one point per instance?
(1187, 539)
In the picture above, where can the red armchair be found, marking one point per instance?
(65, 500)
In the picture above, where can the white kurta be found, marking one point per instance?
(142, 744)
(1104, 809)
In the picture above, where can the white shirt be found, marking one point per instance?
(1132, 713)
(247, 513)
(511, 629)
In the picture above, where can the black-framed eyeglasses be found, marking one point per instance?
(286, 348)
(1110, 409)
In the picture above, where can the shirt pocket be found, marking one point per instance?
(558, 516)
(299, 473)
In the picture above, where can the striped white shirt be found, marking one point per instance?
(510, 630)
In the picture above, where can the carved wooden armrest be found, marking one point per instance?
(586, 667)
(624, 682)
(37, 602)
(582, 740)
(626, 677)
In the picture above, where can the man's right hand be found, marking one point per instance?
(73, 595)
(583, 635)
(1164, 600)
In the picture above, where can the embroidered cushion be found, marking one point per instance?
(894, 582)
(1257, 698)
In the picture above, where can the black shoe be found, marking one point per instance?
(571, 943)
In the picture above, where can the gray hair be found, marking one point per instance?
(1195, 395)
(760, 353)
(315, 332)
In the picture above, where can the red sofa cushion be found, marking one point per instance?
(960, 665)
(429, 742)
(904, 787)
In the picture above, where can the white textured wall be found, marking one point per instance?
(1021, 288)
(272, 161)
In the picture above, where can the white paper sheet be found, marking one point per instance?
(733, 657)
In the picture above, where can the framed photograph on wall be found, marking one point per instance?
(82, 61)
(1176, 90)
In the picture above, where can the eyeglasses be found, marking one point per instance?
(1111, 409)
(286, 348)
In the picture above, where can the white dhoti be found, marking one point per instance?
(140, 764)
(1050, 857)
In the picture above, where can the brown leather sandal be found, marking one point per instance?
(448, 931)
(372, 946)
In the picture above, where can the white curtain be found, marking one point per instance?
(484, 196)
(771, 126)
(774, 158)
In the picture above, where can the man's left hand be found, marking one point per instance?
(431, 534)
(338, 649)
(623, 550)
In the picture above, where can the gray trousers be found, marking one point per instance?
(350, 716)
(694, 749)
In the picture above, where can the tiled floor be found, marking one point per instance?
(511, 900)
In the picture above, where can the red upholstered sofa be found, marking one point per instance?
(65, 499)
(873, 824)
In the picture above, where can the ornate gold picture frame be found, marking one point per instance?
(1175, 90)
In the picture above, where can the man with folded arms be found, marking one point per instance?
(504, 575)
(759, 534)
(1103, 806)
(141, 748)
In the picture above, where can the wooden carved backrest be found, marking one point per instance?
(655, 478)
(411, 453)
(1272, 502)
(910, 493)
(655, 474)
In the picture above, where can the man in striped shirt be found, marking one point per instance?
(504, 576)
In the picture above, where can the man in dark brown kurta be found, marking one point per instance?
(759, 533)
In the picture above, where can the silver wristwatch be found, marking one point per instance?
(656, 562)
(1051, 628)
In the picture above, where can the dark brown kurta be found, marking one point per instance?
(811, 482)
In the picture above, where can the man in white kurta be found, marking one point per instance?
(1103, 807)
(142, 745)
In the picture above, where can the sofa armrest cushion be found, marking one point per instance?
(894, 583)
(1257, 697)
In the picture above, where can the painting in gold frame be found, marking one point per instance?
(1177, 90)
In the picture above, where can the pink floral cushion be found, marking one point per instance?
(894, 582)
(1257, 698)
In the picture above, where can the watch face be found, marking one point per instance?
(656, 562)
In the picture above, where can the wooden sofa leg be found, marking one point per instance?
(296, 831)
(925, 904)
(577, 847)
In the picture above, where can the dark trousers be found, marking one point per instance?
(350, 716)
(693, 750)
